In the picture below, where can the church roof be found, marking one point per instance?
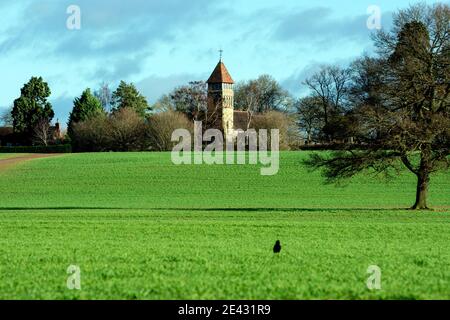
(220, 75)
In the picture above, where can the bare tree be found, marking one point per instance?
(310, 117)
(164, 104)
(42, 133)
(191, 99)
(262, 95)
(330, 86)
(104, 95)
(410, 123)
(6, 117)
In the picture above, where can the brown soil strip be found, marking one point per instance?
(8, 162)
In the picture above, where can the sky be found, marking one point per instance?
(161, 44)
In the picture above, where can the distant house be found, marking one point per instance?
(55, 133)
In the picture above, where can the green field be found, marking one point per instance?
(142, 228)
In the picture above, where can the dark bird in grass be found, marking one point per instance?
(277, 247)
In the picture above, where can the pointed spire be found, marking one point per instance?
(220, 74)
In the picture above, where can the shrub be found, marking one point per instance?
(92, 134)
(161, 127)
(124, 130)
(277, 120)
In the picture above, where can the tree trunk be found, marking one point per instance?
(423, 180)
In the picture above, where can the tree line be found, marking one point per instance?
(123, 120)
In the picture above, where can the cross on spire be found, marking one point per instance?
(221, 52)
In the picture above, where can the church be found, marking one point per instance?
(221, 99)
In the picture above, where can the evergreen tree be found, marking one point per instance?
(32, 107)
(127, 96)
(84, 108)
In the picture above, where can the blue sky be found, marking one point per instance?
(160, 44)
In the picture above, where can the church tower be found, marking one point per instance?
(221, 97)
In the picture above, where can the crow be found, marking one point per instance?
(277, 247)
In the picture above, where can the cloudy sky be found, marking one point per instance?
(160, 44)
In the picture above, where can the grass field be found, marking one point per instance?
(9, 155)
(142, 228)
